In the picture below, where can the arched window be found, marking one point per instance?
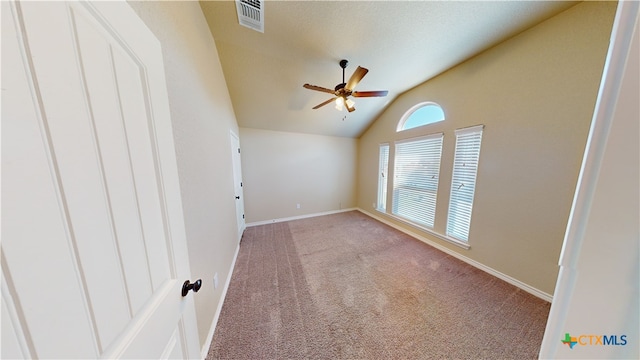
(422, 114)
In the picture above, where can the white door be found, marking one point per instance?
(237, 183)
(93, 243)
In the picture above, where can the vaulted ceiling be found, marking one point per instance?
(402, 43)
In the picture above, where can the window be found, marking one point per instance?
(463, 181)
(383, 172)
(416, 174)
(422, 114)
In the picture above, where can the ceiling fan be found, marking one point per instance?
(344, 90)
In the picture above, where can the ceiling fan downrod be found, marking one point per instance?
(343, 65)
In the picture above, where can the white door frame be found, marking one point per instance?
(238, 184)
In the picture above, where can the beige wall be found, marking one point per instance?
(535, 94)
(202, 117)
(282, 169)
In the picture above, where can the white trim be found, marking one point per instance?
(423, 137)
(216, 316)
(515, 282)
(257, 223)
(469, 129)
(599, 132)
(244, 227)
(243, 224)
(463, 244)
(620, 46)
(383, 177)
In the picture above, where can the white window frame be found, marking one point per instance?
(463, 181)
(383, 176)
(420, 190)
(407, 115)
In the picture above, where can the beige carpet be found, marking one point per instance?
(346, 286)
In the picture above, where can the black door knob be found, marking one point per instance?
(237, 197)
(189, 286)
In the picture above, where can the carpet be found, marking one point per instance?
(345, 286)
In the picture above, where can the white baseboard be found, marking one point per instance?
(515, 282)
(298, 217)
(207, 344)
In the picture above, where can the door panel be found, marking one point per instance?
(100, 82)
(131, 87)
(38, 261)
(89, 149)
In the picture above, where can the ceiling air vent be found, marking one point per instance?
(251, 14)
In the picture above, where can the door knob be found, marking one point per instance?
(189, 286)
(237, 197)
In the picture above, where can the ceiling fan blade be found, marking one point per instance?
(356, 77)
(318, 88)
(350, 108)
(369, 93)
(324, 103)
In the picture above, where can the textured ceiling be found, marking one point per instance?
(402, 43)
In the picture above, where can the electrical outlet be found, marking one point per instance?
(215, 281)
(297, 206)
(374, 205)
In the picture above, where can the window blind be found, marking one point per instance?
(416, 175)
(383, 172)
(463, 181)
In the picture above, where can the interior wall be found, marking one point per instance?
(535, 94)
(281, 170)
(202, 117)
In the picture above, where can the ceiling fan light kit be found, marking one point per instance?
(344, 90)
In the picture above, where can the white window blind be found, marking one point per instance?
(463, 181)
(416, 175)
(383, 173)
